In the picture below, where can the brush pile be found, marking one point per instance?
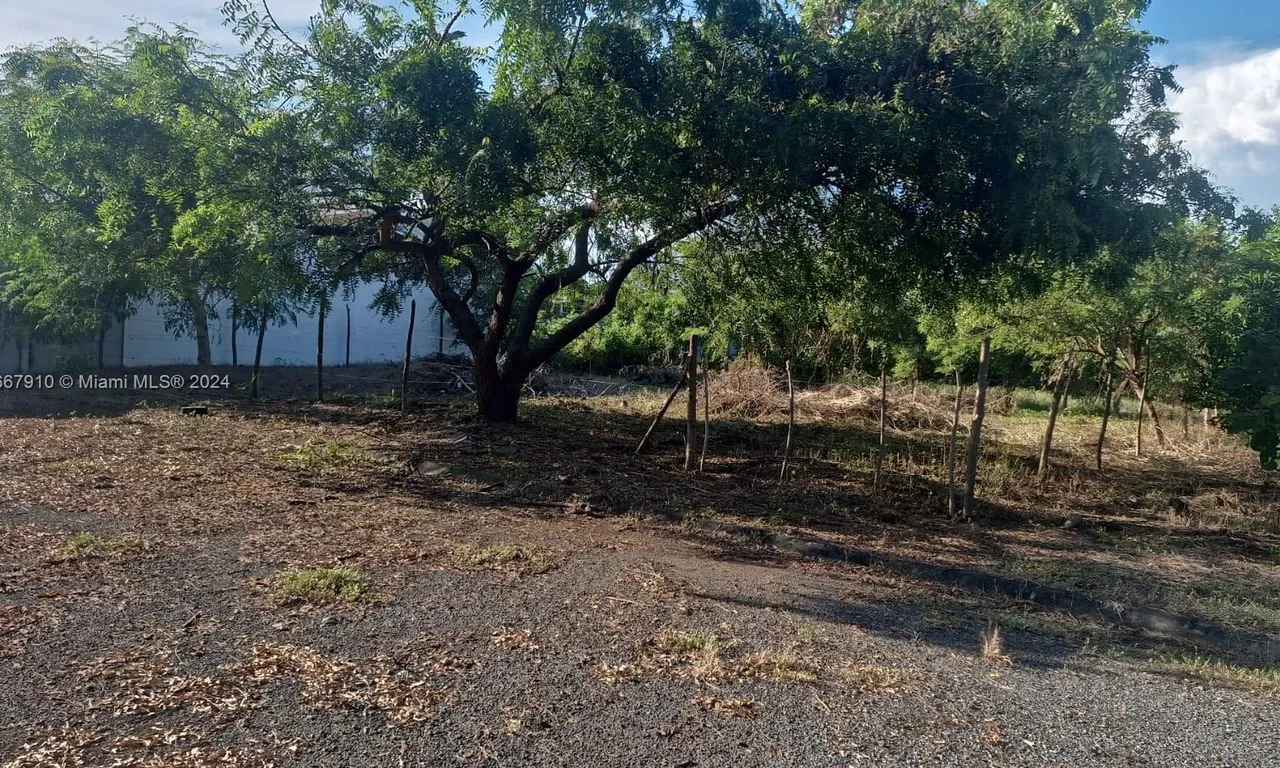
(750, 392)
(747, 392)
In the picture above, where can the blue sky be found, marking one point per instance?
(1228, 57)
(1227, 51)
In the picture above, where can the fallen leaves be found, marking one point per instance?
(334, 683)
(732, 707)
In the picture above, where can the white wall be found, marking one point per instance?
(374, 339)
(52, 357)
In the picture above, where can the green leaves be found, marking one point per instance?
(145, 169)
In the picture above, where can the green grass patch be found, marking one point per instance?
(1018, 621)
(693, 641)
(324, 585)
(314, 456)
(87, 546)
(782, 666)
(1235, 604)
(517, 558)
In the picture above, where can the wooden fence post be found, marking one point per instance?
(951, 450)
(975, 430)
(884, 399)
(670, 399)
(324, 310)
(408, 354)
(1107, 405)
(691, 414)
(791, 422)
(706, 409)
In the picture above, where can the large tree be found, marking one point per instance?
(936, 140)
(143, 169)
(1239, 312)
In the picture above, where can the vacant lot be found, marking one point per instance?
(333, 585)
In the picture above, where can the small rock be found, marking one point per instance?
(426, 468)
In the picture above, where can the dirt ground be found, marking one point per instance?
(293, 584)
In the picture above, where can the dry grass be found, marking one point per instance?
(515, 639)
(330, 683)
(1139, 546)
(691, 641)
(612, 674)
(324, 585)
(524, 559)
(993, 646)
(732, 707)
(747, 391)
(709, 658)
(1264, 681)
(870, 677)
(781, 665)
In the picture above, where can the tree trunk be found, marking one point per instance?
(200, 324)
(1139, 378)
(102, 341)
(257, 354)
(1059, 394)
(951, 451)
(1109, 396)
(884, 400)
(346, 363)
(235, 329)
(440, 328)
(1146, 403)
(324, 310)
(1155, 420)
(497, 396)
(975, 429)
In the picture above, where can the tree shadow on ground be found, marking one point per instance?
(972, 597)
(570, 456)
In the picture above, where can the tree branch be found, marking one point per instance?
(444, 34)
(554, 229)
(704, 218)
(459, 311)
(548, 286)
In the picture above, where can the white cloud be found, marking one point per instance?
(1230, 115)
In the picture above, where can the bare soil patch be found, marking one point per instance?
(537, 595)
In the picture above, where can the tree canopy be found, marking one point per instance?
(813, 181)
